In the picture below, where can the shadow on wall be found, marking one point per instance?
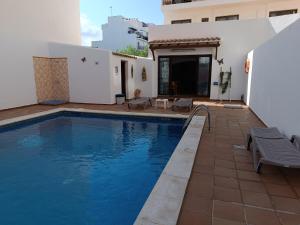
(273, 81)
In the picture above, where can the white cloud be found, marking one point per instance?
(89, 31)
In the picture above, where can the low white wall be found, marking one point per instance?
(275, 79)
(89, 82)
(147, 87)
(237, 39)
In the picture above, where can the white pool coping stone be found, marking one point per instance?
(164, 203)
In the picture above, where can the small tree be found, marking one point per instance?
(130, 50)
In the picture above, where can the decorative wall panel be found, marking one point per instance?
(51, 78)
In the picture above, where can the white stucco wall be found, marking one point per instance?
(117, 78)
(89, 82)
(274, 91)
(237, 39)
(147, 87)
(26, 28)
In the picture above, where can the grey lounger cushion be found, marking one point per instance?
(278, 152)
(269, 133)
(144, 102)
(266, 133)
(183, 103)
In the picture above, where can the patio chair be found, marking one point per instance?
(278, 152)
(183, 103)
(142, 101)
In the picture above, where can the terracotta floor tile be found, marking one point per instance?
(204, 190)
(197, 204)
(228, 211)
(218, 221)
(226, 182)
(297, 189)
(243, 159)
(245, 166)
(224, 163)
(289, 219)
(252, 186)
(256, 216)
(224, 172)
(209, 170)
(273, 178)
(280, 190)
(256, 199)
(202, 178)
(246, 175)
(286, 204)
(194, 218)
(227, 194)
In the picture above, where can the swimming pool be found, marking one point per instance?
(79, 168)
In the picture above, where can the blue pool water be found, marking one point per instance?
(82, 169)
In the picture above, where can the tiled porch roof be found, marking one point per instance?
(192, 42)
(185, 43)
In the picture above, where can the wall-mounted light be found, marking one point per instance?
(83, 59)
(116, 70)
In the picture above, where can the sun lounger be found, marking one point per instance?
(183, 103)
(143, 102)
(266, 133)
(278, 152)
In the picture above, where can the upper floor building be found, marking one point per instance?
(121, 32)
(195, 11)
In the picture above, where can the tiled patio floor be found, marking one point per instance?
(224, 189)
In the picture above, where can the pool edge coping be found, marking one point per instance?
(163, 205)
(82, 110)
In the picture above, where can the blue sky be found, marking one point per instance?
(94, 13)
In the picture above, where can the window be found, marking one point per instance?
(225, 18)
(283, 12)
(205, 19)
(181, 21)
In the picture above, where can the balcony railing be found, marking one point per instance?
(170, 2)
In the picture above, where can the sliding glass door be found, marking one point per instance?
(184, 75)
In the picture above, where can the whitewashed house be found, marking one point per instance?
(190, 54)
(120, 32)
(196, 11)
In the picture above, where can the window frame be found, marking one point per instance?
(183, 21)
(226, 18)
(283, 12)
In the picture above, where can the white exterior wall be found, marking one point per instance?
(147, 87)
(26, 28)
(246, 9)
(88, 82)
(237, 39)
(274, 81)
(116, 36)
(98, 84)
(117, 78)
(136, 81)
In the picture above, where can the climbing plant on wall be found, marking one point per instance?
(225, 81)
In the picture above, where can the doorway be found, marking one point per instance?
(185, 75)
(124, 65)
